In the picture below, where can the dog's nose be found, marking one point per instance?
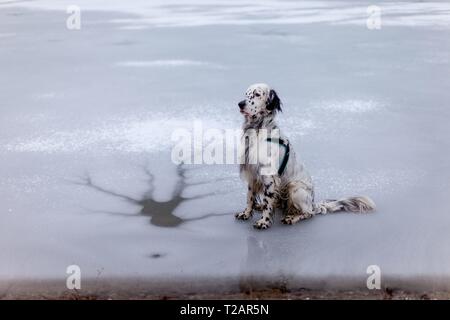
(241, 104)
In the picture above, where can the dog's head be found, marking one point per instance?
(260, 101)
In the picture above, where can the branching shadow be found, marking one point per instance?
(160, 213)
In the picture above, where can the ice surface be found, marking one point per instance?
(85, 170)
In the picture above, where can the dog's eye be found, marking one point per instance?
(257, 94)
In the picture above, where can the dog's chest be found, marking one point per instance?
(256, 152)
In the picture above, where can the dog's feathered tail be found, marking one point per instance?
(352, 204)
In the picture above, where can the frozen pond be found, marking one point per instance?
(87, 115)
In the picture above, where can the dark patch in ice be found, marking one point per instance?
(156, 255)
(124, 43)
(161, 213)
(15, 14)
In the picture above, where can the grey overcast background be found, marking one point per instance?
(87, 117)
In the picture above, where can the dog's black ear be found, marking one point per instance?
(273, 102)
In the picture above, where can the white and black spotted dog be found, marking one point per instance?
(290, 188)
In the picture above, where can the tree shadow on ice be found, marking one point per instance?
(160, 213)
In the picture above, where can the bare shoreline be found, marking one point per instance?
(274, 294)
(214, 289)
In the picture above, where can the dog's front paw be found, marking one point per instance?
(263, 223)
(243, 215)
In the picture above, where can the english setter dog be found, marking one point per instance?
(289, 187)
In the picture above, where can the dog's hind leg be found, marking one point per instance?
(294, 216)
(300, 206)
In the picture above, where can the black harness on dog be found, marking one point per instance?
(283, 143)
